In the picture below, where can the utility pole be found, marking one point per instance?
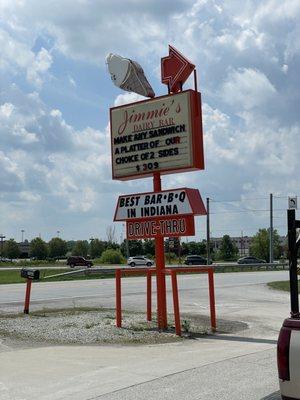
(126, 243)
(293, 243)
(207, 231)
(242, 244)
(271, 228)
(2, 237)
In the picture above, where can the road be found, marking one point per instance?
(230, 289)
(236, 366)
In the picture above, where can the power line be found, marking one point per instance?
(238, 201)
(249, 198)
(246, 211)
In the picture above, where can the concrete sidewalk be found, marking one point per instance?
(87, 372)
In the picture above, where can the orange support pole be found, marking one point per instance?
(118, 299)
(149, 296)
(27, 296)
(176, 303)
(212, 300)
(160, 269)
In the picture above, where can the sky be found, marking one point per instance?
(55, 95)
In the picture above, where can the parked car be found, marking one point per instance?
(75, 261)
(250, 260)
(288, 359)
(139, 260)
(195, 260)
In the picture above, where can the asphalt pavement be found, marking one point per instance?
(233, 366)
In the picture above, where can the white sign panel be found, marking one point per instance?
(151, 205)
(293, 203)
(157, 136)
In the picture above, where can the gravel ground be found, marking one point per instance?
(82, 326)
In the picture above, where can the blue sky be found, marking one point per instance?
(55, 95)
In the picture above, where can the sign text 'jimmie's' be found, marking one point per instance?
(159, 135)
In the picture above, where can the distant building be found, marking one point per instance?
(243, 243)
(24, 249)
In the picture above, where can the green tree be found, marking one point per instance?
(70, 246)
(135, 248)
(149, 247)
(97, 247)
(191, 248)
(124, 248)
(57, 247)
(38, 249)
(228, 250)
(260, 244)
(11, 249)
(111, 256)
(81, 248)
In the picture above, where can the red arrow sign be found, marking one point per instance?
(175, 69)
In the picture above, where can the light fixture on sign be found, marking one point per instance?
(128, 75)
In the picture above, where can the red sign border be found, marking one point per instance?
(197, 138)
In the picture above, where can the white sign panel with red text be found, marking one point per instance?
(162, 204)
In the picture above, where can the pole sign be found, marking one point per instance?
(164, 204)
(162, 135)
(150, 228)
(292, 203)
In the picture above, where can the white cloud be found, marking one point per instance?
(98, 28)
(30, 196)
(126, 98)
(17, 57)
(248, 89)
(60, 162)
(6, 110)
(39, 66)
(72, 81)
(247, 57)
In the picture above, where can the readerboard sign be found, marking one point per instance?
(162, 204)
(182, 225)
(163, 135)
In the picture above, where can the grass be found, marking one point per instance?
(29, 263)
(46, 263)
(282, 285)
(14, 276)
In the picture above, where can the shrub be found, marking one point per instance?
(111, 256)
(170, 256)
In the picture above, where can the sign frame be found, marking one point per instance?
(196, 139)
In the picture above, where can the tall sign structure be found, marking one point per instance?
(162, 135)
